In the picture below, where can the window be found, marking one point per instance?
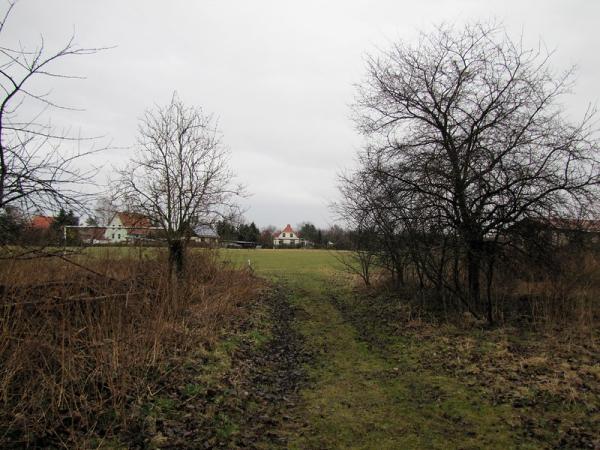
(113, 235)
(282, 234)
(281, 242)
(119, 236)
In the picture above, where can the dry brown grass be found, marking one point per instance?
(79, 350)
(561, 295)
(563, 298)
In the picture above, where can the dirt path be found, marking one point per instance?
(253, 404)
(244, 393)
(269, 380)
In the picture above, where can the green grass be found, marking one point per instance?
(365, 398)
(284, 264)
(362, 396)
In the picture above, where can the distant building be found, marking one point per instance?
(42, 222)
(556, 231)
(92, 235)
(287, 238)
(205, 235)
(126, 226)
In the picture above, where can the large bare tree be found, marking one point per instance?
(180, 177)
(470, 122)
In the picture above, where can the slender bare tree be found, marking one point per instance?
(36, 169)
(180, 177)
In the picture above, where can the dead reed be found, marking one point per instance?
(563, 295)
(79, 349)
(558, 294)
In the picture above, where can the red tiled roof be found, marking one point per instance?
(288, 229)
(130, 220)
(41, 222)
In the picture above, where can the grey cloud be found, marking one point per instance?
(278, 74)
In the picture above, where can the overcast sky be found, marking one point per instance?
(279, 75)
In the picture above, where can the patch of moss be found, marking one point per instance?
(164, 405)
(225, 427)
(193, 389)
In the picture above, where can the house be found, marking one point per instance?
(92, 235)
(127, 226)
(560, 231)
(40, 230)
(205, 236)
(287, 238)
(565, 231)
(41, 222)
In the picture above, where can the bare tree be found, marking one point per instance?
(180, 177)
(470, 122)
(104, 210)
(363, 253)
(36, 170)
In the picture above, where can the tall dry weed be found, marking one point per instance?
(80, 348)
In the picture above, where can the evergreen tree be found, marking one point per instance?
(61, 220)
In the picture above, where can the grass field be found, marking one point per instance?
(285, 264)
(378, 382)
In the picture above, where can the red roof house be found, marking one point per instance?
(127, 225)
(41, 222)
(286, 237)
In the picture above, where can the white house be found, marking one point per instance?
(287, 237)
(126, 226)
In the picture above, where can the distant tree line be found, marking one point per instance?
(333, 237)
(237, 230)
(230, 231)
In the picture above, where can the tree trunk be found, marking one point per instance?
(491, 260)
(177, 258)
(490, 304)
(474, 248)
(400, 272)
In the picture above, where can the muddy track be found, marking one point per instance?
(250, 406)
(271, 377)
